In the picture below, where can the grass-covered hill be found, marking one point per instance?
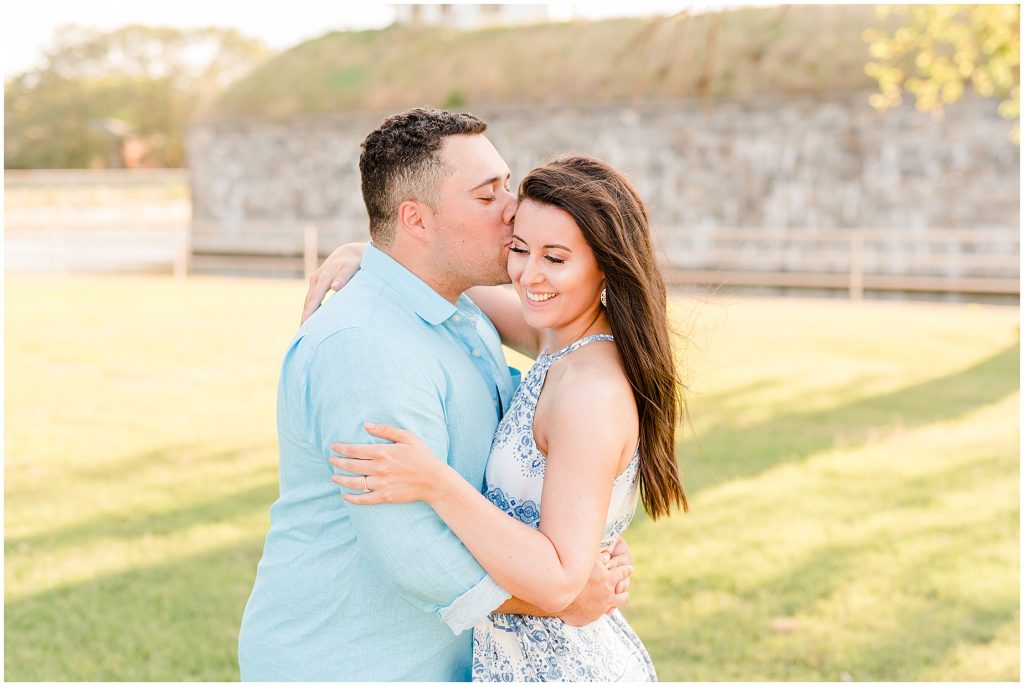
(745, 52)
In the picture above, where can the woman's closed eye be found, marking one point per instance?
(519, 251)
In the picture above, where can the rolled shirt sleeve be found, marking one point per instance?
(354, 377)
(473, 605)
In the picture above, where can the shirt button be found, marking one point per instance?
(476, 353)
(457, 318)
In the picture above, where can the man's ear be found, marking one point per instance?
(415, 219)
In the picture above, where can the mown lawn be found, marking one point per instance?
(854, 499)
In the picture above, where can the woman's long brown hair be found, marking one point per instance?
(613, 218)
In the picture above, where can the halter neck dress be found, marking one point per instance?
(530, 648)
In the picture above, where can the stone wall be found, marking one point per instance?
(782, 165)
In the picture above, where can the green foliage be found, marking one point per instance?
(854, 502)
(97, 87)
(455, 100)
(938, 50)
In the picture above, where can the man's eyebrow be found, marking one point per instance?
(493, 179)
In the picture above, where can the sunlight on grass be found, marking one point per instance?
(854, 493)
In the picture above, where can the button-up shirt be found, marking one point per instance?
(379, 592)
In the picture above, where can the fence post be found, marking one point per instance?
(857, 266)
(61, 266)
(184, 253)
(311, 258)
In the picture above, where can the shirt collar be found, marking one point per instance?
(423, 299)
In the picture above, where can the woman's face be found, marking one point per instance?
(553, 268)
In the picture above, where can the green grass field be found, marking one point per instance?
(854, 499)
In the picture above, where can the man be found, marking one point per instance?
(388, 592)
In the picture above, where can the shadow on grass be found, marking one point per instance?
(775, 630)
(939, 578)
(171, 622)
(127, 525)
(139, 466)
(728, 452)
(146, 468)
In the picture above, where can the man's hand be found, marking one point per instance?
(340, 266)
(606, 590)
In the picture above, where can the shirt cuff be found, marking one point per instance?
(473, 605)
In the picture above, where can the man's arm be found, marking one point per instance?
(358, 376)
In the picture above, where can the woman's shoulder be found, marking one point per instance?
(590, 377)
(587, 398)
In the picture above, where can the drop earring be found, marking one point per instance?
(604, 297)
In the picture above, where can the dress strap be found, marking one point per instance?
(579, 344)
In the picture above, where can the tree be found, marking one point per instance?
(98, 87)
(938, 50)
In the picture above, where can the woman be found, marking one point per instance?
(589, 432)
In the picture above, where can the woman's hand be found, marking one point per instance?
(340, 266)
(398, 472)
(605, 592)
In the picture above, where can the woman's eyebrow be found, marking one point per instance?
(549, 245)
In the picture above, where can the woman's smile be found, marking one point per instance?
(538, 297)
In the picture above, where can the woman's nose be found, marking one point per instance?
(530, 275)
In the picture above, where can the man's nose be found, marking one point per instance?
(510, 209)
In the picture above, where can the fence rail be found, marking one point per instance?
(93, 177)
(983, 261)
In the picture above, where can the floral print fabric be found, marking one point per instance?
(528, 648)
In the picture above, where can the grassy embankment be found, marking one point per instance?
(784, 50)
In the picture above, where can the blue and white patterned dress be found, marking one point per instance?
(529, 648)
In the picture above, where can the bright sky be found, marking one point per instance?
(27, 26)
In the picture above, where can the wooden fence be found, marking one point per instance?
(982, 261)
(140, 220)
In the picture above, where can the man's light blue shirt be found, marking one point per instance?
(383, 592)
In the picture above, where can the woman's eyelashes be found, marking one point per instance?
(550, 258)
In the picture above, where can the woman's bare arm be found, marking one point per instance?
(502, 306)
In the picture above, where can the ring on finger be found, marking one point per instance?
(366, 488)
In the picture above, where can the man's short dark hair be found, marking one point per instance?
(399, 162)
